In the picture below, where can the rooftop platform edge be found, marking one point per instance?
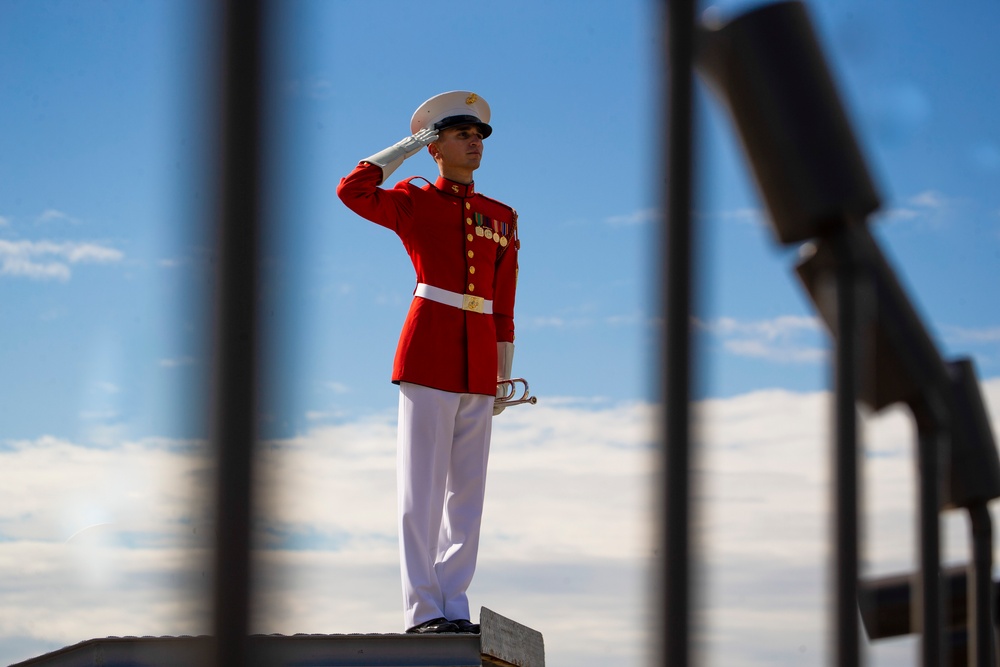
(502, 643)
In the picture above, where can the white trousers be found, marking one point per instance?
(442, 450)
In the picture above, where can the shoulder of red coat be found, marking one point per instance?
(500, 203)
(406, 182)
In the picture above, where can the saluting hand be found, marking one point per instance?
(412, 144)
(393, 156)
(426, 136)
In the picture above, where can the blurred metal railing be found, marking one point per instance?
(768, 68)
(236, 335)
(676, 359)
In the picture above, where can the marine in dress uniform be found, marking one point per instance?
(456, 342)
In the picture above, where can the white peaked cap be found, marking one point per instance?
(459, 107)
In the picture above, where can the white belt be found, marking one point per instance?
(476, 304)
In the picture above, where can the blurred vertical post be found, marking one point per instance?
(236, 334)
(845, 635)
(676, 353)
(768, 66)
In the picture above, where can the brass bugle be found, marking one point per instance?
(507, 389)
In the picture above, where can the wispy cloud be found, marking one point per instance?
(51, 260)
(929, 205)
(747, 215)
(99, 415)
(316, 88)
(639, 217)
(52, 215)
(785, 339)
(972, 335)
(177, 362)
(547, 322)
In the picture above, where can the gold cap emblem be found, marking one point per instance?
(471, 99)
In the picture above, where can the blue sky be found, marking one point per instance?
(105, 273)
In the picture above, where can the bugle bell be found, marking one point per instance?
(508, 389)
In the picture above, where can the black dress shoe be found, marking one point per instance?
(466, 626)
(433, 627)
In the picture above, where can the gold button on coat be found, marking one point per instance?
(469, 237)
(472, 269)
(472, 288)
(471, 254)
(468, 221)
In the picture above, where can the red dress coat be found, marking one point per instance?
(460, 241)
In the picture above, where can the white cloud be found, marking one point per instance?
(22, 266)
(50, 260)
(930, 206)
(784, 339)
(765, 521)
(633, 319)
(564, 547)
(762, 350)
(961, 335)
(639, 217)
(929, 199)
(53, 215)
(545, 322)
(773, 329)
(567, 543)
(898, 214)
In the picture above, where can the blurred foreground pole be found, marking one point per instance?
(767, 65)
(676, 354)
(845, 635)
(235, 343)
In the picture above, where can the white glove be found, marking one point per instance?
(393, 156)
(505, 361)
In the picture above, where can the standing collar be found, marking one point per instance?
(455, 189)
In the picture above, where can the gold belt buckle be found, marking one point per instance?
(473, 303)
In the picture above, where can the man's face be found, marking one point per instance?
(460, 147)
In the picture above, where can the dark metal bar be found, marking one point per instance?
(887, 606)
(982, 647)
(236, 335)
(677, 306)
(845, 635)
(928, 593)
